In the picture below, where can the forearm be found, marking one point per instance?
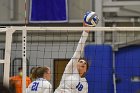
(80, 46)
(79, 50)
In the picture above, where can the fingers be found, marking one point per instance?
(85, 25)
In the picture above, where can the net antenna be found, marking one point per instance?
(6, 60)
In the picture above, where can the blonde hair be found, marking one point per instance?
(40, 71)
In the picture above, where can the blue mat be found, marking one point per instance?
(99, 75)
(128, 66)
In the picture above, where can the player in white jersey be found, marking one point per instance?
(73, 80)
(41, 84)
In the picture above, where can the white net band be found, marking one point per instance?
(74, 28)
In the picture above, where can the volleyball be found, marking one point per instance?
(91, 18)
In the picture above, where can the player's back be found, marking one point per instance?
(39, 86)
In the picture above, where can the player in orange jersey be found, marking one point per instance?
(16, 81)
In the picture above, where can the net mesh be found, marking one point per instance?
(54, 48)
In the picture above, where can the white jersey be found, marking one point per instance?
(39, 86)
(71, 81)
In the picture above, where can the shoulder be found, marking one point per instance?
(84, 79)
(15, 78)
(46, 83)
(71, 77)
(28, 79)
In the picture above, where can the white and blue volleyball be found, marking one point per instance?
(91, 18)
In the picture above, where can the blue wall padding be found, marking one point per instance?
(99, 75)
(128, 66)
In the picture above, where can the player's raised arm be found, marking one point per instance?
(90, 19)
(71, 66)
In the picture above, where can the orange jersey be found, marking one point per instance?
(17, 82)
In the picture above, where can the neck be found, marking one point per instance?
(82, 75)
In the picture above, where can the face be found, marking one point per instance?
(48, 75)
(82, 67)
(20, 73)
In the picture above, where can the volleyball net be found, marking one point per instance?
(27, 47)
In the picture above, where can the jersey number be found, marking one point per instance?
(79, 86)
(35, 86)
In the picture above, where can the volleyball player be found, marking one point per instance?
(41, 84)
(16, 81)
(73, 79)
(33, 73)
